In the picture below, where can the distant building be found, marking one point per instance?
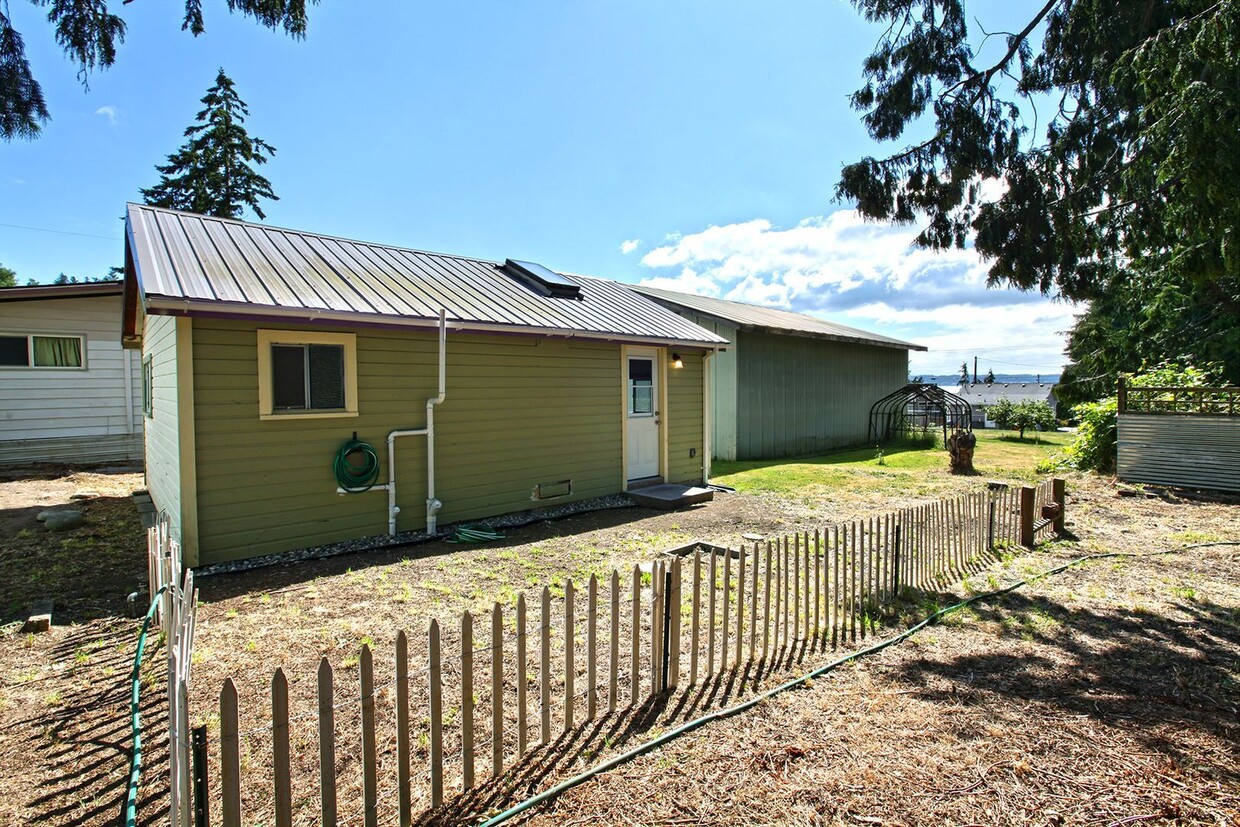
(68, 392)
(981, 396)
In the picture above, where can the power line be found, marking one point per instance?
(113, 239)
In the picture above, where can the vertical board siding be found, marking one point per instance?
(42, 415)
(519, 411)
(684, 420)
(1190, 450)
(162, 430)
(797, 395)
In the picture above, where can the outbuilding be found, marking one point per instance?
(68, 392)
(494, 386)
(791, 384)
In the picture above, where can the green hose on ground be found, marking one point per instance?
(474, 534)
(671, 735)
(353, 477)
(135, 767)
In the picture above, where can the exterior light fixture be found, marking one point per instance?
(677, 362)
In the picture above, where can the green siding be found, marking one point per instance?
(797, 395)
(519, 411)
(162, 429)
(684, 420)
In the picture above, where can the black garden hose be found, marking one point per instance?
(352, 476)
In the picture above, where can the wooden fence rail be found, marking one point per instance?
(747, 608)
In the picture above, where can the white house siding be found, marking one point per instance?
(163, 450)
(88, 415)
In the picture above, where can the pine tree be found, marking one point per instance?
(964, 374)
(213, 173)
(990, 377)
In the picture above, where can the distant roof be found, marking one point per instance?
(60, 291)
(980, 393)
(770, 319)
(184, 263)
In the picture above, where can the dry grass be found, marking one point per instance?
(1105, 694)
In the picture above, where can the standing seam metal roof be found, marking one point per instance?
(770, 318)
(186, 262)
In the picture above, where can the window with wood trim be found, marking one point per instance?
(33, 350)
(306, 374)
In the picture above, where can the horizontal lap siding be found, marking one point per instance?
(684, 420)
(518, 412)
(162, 429)
(798, 395)
(1193, 451)
(55, 415)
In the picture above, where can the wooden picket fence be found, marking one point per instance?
(173, 585)
(693, 617)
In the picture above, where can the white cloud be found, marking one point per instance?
(112, 113)
(630, 245)
(869, 275)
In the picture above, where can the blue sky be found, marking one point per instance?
(694, 145)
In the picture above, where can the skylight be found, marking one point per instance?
(543, 280)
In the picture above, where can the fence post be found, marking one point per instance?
(1027, 496)
(674, 622)
(467, 700)
(570, 667)
(613, 665)
(370, 762)
(1060, 495)
(497, 690)
(665, 649)
(522, 688)
(404, 797)
(544, 668)
(202, 810)
(436, 691)
(280, 750)
(230, 756)
(895, 568)
(327, 744)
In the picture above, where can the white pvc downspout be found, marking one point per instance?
(432, 505)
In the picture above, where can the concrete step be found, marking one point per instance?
(668, 496)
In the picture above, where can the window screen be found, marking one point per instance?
(14, 351)
(307, 377)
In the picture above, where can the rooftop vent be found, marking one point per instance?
(542, 280)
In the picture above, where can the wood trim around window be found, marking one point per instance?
(267, 338)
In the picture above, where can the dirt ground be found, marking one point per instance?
(1105, 695)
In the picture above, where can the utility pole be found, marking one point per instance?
(974, 370)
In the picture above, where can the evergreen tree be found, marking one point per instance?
(212, 173)
(990, 377)
(964, 374)
(89, 34)
(8, 277)
(1136, 170)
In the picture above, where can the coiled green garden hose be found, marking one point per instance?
(351, 476)
(697, 723)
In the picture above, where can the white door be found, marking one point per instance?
(642, 420)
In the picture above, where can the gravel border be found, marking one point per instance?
(380, 542)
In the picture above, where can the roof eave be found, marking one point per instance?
(166, 306)
(61, 291)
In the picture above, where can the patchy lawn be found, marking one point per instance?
(1116, 682)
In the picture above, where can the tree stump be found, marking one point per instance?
(961, 444)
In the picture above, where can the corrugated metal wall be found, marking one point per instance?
(1188, 450)
(797, 395)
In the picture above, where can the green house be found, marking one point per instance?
(791, 384)
(482, 387)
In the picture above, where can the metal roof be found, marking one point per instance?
(200, 265)
(980, 393)
(771, 319)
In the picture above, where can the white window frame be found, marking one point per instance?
(266, 395)
(45, 335)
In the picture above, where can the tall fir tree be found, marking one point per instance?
(214, 173)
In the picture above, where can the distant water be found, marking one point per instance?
(947, 380)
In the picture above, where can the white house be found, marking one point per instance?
(68, 392)
(982, 395)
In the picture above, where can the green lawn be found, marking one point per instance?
(918, 471)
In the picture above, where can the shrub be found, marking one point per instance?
(1094, 446)
(1023, 415)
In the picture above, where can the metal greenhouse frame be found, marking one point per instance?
(915, 408)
